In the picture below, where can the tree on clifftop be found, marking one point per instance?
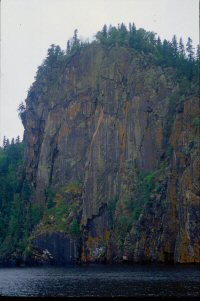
(190, 49)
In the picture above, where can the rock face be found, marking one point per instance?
(56, 248)
(101, 119)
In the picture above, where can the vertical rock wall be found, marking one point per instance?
(109, 108)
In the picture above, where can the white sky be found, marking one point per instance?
(28, 27)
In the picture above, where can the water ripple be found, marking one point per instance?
(101, 280)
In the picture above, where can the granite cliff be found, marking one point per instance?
(112, 156)
(120, 130)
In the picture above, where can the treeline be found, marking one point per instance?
(167, 53)
(7, 142)
(19, 214)
(14, 198)
(56, 56)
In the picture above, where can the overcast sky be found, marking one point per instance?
(29, 27)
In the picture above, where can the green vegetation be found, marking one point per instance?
(56, 58)
(137, 193)
(50, 198)
(21, 111)
(193, 146)
(145, 184)
(19, 215)
(196, 122)
(14, 198)
(60, 211)
(75, 228)
(112, 204)
(166, 53)
(74, 188)
(37, 210)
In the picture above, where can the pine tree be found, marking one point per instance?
(159, 43)
(181, 48)
(51, 49)
(104, 31)
(102, 35)
(167, 52)
(132, 35)
(54, 52)
(75, 38)
(68, 47)
(58, 51)
(174, 46)
(190, 49)
(21, 110)
(21, 107)
(17, 139)
(196, 62)
(198, 52)
(4, 141)
(130, 27)
(7, 142)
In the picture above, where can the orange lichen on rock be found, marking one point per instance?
(73, 110)
(196, 168)
(192, 198)
(123, 133)
(107, 235)
(159, 136)
(188, 252)
(196, 252)
(92, 240)
(63, 133)
(99, 122)
(173, 194)
(184, 254)
(98, 125)
(176, 133)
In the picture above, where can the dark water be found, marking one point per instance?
(101, 280)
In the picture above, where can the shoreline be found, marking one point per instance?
(17, 264)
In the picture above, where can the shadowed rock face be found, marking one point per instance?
(100, 112)
(56, 248)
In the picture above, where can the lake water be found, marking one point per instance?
(101, 280)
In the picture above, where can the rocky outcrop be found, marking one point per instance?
(55, 248)
(168, 228)
(103, 112)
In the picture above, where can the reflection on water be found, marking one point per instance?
(101, 280)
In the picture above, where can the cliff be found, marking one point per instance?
(114, 137)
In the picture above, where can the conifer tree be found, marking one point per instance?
(123, 34)
(132, 34)
(174, 46)
(159, 43)
(17, 139)
(68, 47)
(21, 109)
(190, 49)
(130, 27)
(104, 31)
(167, 52)
(198, 52)
(75, 38)
(181, 48)
(4, 141)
